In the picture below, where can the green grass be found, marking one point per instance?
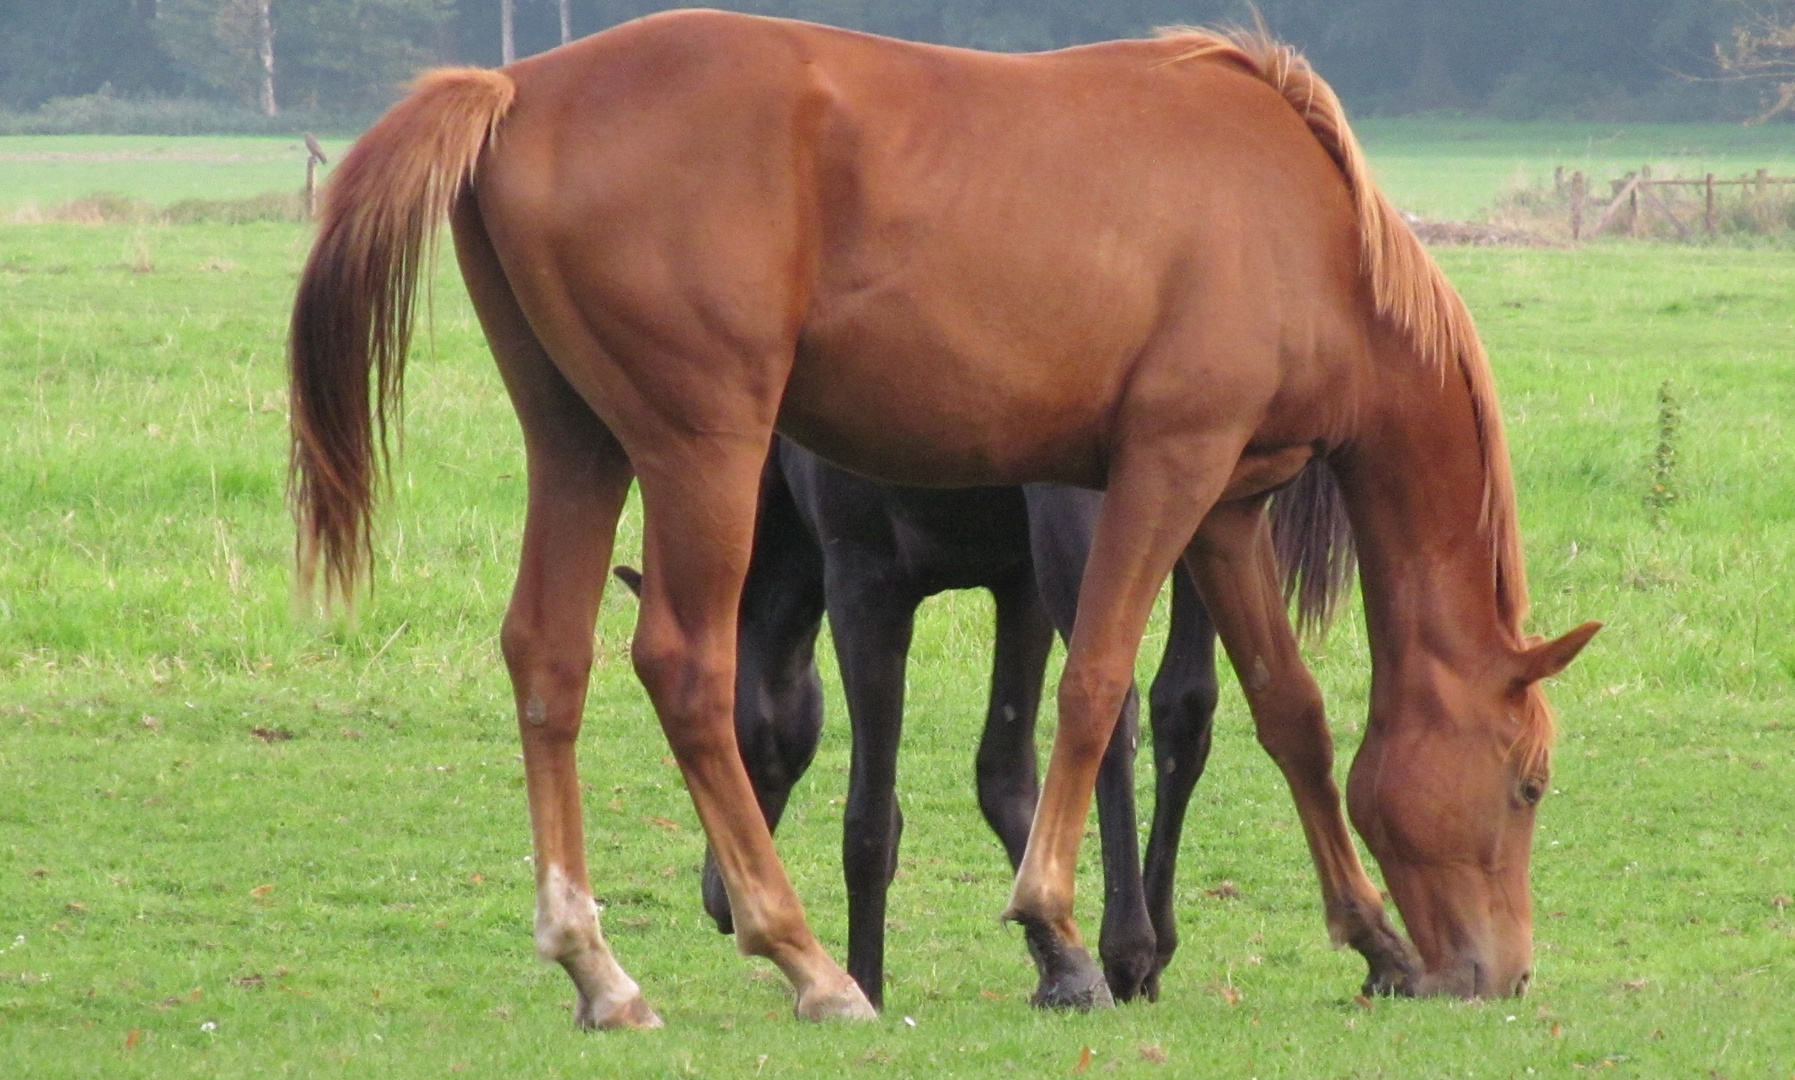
(144, 576)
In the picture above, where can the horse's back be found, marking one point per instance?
(872, 222)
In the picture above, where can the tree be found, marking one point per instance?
(1762, 50)
(77, 47)
(224, 45)
(356, 55)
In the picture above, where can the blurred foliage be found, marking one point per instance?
(1762, 51)
(1519, 59)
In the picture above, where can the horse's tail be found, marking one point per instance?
(353, 313)
(1313, 540)
(1407, 286)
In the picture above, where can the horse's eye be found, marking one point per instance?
(1533, 790)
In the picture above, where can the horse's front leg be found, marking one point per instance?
(1236, 572)
(698, 500)
(1182, 705)
(1061, 524)
(1149, 514)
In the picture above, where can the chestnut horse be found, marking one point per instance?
(1159, 268)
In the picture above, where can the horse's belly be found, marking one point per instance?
(924, 413)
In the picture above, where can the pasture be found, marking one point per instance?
(234, 840)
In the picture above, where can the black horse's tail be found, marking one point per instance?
(1312, 537)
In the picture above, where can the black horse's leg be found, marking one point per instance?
(1008, 774)
(778, 693)
(1183, 713)
(871, 623)
(1062, 522)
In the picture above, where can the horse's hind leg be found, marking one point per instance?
(578, 479)
(778, 693)
(698, 499)
(871, 623)
(1183, 712)
(1236, 572)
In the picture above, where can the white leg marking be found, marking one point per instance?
(567, 932)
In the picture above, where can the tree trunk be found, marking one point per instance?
(507, 33)
(566, 21)
(265, 51)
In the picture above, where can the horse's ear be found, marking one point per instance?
(1548, 658)
(631, 578)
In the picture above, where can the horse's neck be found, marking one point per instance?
(1413, 479)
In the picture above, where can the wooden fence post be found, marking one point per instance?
(1577, 205)
(314, 157)
(1636, 226)
(1763, 182)
(1708, 215)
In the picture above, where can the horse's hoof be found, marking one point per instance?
(1388, 981)
(1129, 980)
(1074, 982)
(1392, 966)
(843, 1003)
(633, 1012)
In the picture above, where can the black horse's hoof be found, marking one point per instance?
(1128, 979)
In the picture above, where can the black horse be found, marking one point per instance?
(867, 554)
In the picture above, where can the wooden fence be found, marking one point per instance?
(1637, 192)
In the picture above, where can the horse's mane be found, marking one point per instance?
(1408, 289)
(1406, 284)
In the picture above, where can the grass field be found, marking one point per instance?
(43, 171)
(180, 895)
(1453, 168)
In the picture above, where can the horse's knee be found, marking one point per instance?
(1089, 701)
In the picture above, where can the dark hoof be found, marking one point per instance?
(1393, 967)
(1079, 985)
(1389, 983)
(1128, 978)
(1070, 979)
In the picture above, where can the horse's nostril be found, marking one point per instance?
(1522, 983)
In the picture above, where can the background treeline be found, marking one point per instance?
(1599, 59)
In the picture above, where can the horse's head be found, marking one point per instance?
(1444, 791)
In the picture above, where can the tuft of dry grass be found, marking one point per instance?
(108, 208)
